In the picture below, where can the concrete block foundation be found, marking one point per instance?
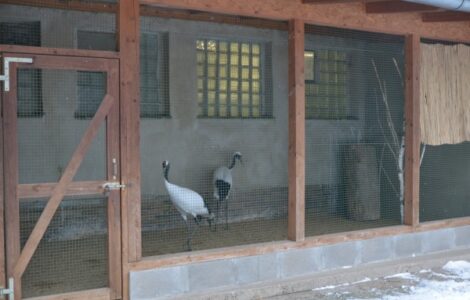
(236, 272)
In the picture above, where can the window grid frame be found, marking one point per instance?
(341, 109)
(205, 107)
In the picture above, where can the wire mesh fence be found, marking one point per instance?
(72, 256)
(54, 109)
(223, 131)
(56, 24)
(354, 129)
(444, 188)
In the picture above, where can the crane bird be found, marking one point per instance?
(222, 185)
(187, 202)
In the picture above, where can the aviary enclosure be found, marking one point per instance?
(215, 95)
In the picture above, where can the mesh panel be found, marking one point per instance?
(54, 23)
(48, 138)
(72, 256)
(354, 129)
(207, 127)
(444, 188)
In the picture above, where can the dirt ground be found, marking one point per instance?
(250, 232)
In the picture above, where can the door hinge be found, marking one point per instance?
(10, 291)
(6, 69)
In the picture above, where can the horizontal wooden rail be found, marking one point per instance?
(58, 51)
(32, 191)
(96, 294)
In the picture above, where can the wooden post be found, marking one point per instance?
(2, 202)
(296, 223)
(128, 28)
(412, 129)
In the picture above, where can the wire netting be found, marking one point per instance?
(354, 129)
(444, 188)
(225, 88)
(73, 255)
(51, 107)
(444, 173)
(55, 24)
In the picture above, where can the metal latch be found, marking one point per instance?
(112, 186)
(10, 291)
(6, 69)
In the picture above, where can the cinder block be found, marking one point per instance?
(407, 245)
(378, 249)
(246, 269)
(341, 255)
(158, 283)
(438, 240)
(269, 266)
(300, 262)
(462, 236)
(203, 276)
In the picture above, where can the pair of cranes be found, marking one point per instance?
(191, 204)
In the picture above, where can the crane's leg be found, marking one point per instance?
(188, 241)
(217, 215)
(226, 213)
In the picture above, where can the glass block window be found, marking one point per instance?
(154, 91)
(233, 79)
(326, 85)
(29, 80)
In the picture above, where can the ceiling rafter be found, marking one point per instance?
(390, 6)
(330, 1)
(446, 16)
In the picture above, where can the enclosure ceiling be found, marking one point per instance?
(460, 5)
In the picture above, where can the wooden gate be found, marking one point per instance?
(61, 108)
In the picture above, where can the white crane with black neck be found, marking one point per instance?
(223, 183)
(187, 202)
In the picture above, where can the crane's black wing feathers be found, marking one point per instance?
(223, 188)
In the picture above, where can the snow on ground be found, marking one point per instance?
(452, 282)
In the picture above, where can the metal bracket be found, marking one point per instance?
(6, 69)
(10, 291)
(112, 186)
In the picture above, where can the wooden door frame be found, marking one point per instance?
(108, 113)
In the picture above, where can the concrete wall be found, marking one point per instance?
(234, 273)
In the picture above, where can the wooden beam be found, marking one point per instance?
(296, 214)
(12, 206)
(59, 192)
(128, 29)
(385, 7)
(329, 1)
(2, 203)
(68, 5)
(58, 51)
(149, 11)
(40, 190)
(412, 129)
(96, 294)
(114, 197)
(446, 16)
(328, 15)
